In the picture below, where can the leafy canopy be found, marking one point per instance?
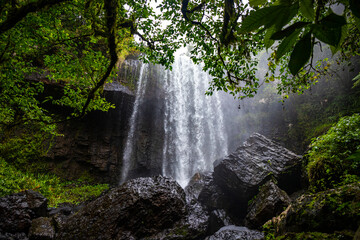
(77, 44)
(227, 36)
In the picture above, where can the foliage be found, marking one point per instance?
(78, 43)
(227, 36)
(301, 117)
(334, 157)
(334, 211)
(53, 188)
(316, 236)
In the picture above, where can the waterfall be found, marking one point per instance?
(140, 91)
(194, 128)
(194, 133)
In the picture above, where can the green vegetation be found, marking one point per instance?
(227, 35)
(77, 45)
(315, 236)
(53, 188)
(334, 158)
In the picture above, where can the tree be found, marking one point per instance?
(77, 43)
(72, 43)
(227, 36)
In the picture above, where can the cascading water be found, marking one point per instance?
(193, 122)
(194, 132)
(133, 120)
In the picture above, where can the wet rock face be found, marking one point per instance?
(242, 173)
(234, 233)
(213, 197)
(218, 218)
(18, 210)
(196, 185)
(60, 214)
(92, 146)
(270, 202)
(193, 226)
(42, 229)
(138, 208)
(327, 212)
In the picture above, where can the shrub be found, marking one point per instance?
(334, 157)
(52, 187)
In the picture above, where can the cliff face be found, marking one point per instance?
(92, 146)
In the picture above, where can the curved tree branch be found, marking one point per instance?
(20, 13)
(110, 10)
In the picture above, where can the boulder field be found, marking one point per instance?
(247, 189)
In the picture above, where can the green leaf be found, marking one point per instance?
(333, 21)
(286, 13)
(356, 80)
(355, 7)
(357, 23)
(279, 15)
(307, 9)
(267, 40)
(255, 3)
(287, 44)
(327, 35)
(300, 55)
(288, 31)
(260, 17)
(344, 33)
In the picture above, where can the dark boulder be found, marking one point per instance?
(218, 218)
(234, 233)
(270, 202)
(18, 210)
(42, 229)
(192, 227)
(242, 172)
(63, 212)
(213, 197)
(13, 236)
(139, 208)
(326, 212)
(196, 185)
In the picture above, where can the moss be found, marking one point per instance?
(182, 231)
(329, 211)
(333, 159)
(316, 236)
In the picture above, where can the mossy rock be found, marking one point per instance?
(316, 236)
(327, 212)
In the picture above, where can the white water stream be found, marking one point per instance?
(194, 131)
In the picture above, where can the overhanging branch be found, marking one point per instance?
(110, 10)
(20, 13)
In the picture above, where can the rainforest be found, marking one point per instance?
(179, 119)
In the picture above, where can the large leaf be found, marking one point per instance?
(355, 7)
(287, 44)
(279, 15)
(267, 40)
(285, 15)
(324, 33)
(289, 30)
(357, 23)
(255, 3)
(307, 9)
(260, 17)
(333, 21)
(300, 55)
